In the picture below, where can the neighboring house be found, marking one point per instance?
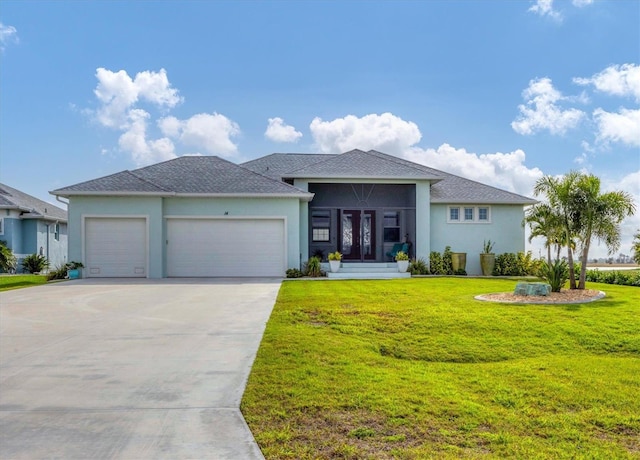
(32, 226)
(205, 216)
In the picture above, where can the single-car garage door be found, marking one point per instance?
(225, 247)
(115, 247)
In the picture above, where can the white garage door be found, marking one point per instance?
(225, 247)
(115, 247)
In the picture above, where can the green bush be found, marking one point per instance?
(520, 264)
(623, 278)
(418, 267)
(447, 262)
(313, 267)
(435, 263)
(556, 274)
(460, 271)
(35, 263)
(58, 273)
(7, 259)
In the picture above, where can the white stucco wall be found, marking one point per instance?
(505, 229)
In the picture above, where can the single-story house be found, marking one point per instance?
(200, 216)
(32, 226)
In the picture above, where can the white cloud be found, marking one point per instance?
(581, 3)
(386, 132)
(118, 93)
(277, 131)
(8, 34)
(210, 132)
(545, 8)
(502, 170)
(617, 80)
(623, 127)
(542, 112)
(134, 140)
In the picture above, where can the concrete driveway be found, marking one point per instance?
(129, 369)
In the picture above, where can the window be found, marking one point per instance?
(320, 226)
(391, 226)
(468, 214)
(454, 214)
(1, 226)
(56, 232)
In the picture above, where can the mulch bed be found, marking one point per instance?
(562, 297)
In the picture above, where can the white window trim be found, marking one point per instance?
(1, 225)
(476, 214)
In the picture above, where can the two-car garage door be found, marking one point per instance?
(225, 247)
(195, 247)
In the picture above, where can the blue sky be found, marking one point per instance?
(501, 92)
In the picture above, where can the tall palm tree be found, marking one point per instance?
(598, 215)
(559, 193)
(635, 247)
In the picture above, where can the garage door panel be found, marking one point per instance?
(116, 247)
(225, 247)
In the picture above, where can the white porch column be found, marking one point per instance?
(423, 220)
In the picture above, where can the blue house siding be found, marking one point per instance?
(35, 236)
(505, 229)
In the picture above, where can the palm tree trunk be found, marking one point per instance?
(572, 276)
(583, 267)
(549, 254)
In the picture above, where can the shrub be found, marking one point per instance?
(447, 262)
(294, 273)
(435, 263)
(418, 267)
(460, 271)
(313, 267)
(520, 264)
(7, 259)
(401, 255)
(58, 273)
(319, 253)
(624, 278)
(35, 263)
(335, 255)
(556, 274)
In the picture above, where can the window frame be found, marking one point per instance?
(398, 226)
(461, 211)
(1, 225)
(318, 231)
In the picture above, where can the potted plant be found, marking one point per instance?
(334, 261)
(459, 261)
(487, 258)
(73, 269)
(402, 258)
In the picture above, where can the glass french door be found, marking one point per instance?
(358, 234)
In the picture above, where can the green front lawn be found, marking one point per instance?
(417, 368)
(19, 281)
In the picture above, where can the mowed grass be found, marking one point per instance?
(8, 282)
(417, 368)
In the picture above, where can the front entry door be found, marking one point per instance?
(358, 234)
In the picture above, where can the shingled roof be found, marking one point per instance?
(30, 206)
(187, 175)
(356, 164)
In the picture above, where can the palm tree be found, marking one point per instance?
(546, 224)
(7, 259)
(559, 196)
(598, 215)
(585, 213)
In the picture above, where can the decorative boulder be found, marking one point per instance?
(523, 288)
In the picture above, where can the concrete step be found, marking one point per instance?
(367, 276)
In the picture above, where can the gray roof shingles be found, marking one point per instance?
(213, 175)
(186, 175)
(11, 198)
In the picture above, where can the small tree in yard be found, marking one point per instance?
(35, 263)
